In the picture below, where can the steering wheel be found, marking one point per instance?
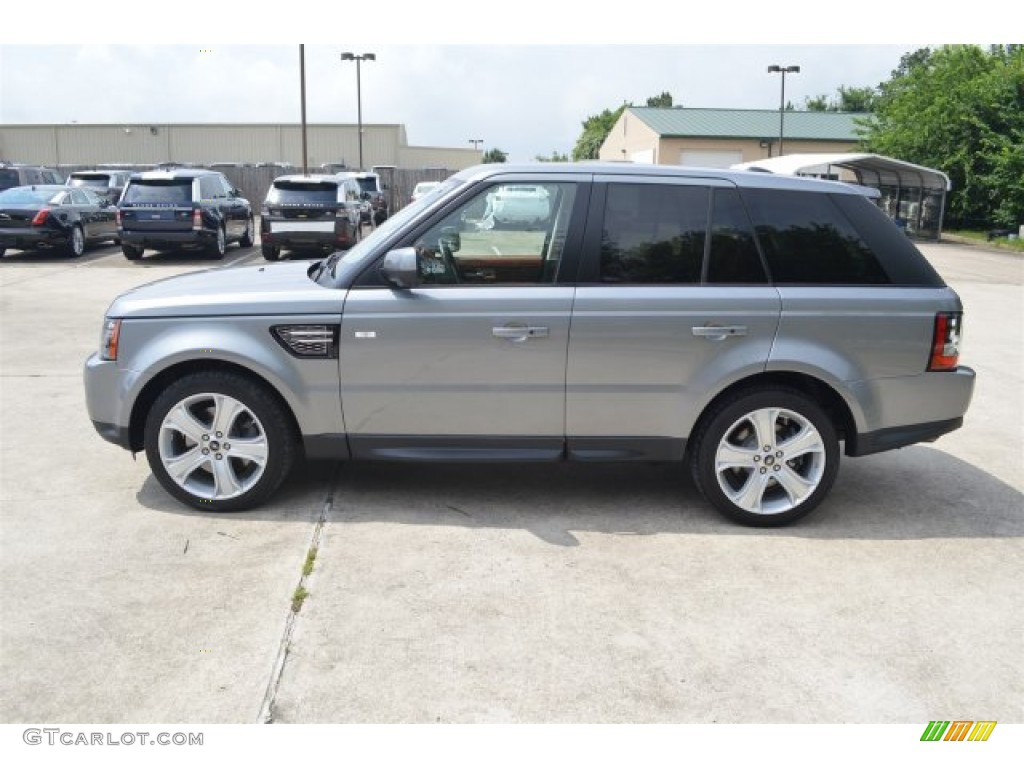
(449, 259)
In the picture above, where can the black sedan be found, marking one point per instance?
(52, 216)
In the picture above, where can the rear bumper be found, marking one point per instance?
(343, 234)
(911, 409)
(156, 239)
(23, 239)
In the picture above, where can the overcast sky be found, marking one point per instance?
(524, 98)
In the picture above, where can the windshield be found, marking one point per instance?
(25, 195)
(328, 268)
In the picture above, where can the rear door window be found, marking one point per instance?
(653, 234)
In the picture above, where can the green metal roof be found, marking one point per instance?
(749, 123)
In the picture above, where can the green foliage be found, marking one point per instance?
(663, 99)
(554, 157)
(595, 130)
(959, 109)
(847, 99)
(495, 155)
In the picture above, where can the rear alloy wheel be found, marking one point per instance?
(766, 458)
(220, 245)
(270, 252)
(76, 242)
(219, 441)
(131, 252)
(246, 240)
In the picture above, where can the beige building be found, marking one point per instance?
(76, 144)
(720, 138)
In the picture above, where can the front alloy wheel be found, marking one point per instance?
(767, 458)
(218, 441)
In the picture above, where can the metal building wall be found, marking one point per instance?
(202, 144)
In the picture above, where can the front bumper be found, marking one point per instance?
(105, 397)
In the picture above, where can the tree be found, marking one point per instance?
(595, 130)
(554, 157)
(959, 109)
(847, 99)
(495, 155)
(663, 100)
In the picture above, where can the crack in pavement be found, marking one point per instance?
(266, 714)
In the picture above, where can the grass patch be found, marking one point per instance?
(298, 598)
(307, 567)
(981, 237)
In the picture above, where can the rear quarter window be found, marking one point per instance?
(806, 239)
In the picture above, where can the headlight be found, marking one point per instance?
(109, 337)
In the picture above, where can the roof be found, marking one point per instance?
(749, 123)
(524, 173)
(873, 170)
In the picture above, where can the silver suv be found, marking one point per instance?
(741, 325)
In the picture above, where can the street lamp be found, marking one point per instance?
(476, 143)
(782, 100)
(348, 56)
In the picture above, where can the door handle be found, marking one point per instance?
(719, 332)
(520, 332)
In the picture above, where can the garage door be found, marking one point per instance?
(643, 156)
(711, 158)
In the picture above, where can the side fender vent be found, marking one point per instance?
(311, 342)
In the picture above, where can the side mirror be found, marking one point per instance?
(400, 268)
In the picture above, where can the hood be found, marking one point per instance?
(272, 289)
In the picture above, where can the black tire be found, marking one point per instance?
(765, 488)
(219, 246)
(261, 420)
(270, 252)
(131, 252)
(2, 252)
(246, 240)
(76, 242)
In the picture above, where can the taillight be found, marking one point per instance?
(117, 218)
(40, 217)
(946, 342)
(197, 219)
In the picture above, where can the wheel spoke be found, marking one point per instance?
(226, 410)
(764, 422)
(731, 456)
(226, 484)
(250, 449)
(806, 441)
(181, 467)
(182, 420)
(796, 487)
(750, 495)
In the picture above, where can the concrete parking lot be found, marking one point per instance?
(455, 593)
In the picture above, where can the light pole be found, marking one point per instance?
(348, 56)
(782, 100)
(476, 143)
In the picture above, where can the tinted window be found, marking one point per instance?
(290, 192)
(19, 195)
(165, 191)
(734, 257)
(807, 239)
(8, 178)
(506, 234)
(99, 181)
(653, 233)
(78, 198)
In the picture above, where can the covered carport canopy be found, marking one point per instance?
(912, 195)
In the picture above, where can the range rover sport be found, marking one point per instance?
(745, 326)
